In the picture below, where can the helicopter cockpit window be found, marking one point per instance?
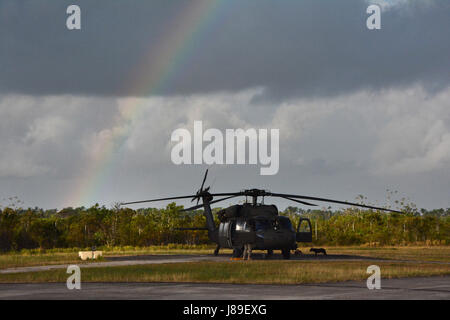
(285, 223)
(243, 226)
(304, 227)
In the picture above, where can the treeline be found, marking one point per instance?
(356, 227)
(100, 226)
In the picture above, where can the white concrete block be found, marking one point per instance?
(84, 255)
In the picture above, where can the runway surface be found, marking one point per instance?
(121, 261)
(406, 288)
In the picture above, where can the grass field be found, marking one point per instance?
(259, 272)
(435, 253)
(69, 256)
(27, 258)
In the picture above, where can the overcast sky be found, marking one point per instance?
(359, 111)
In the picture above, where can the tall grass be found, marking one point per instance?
(257, 272)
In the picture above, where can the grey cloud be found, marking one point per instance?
(359, 143)
(301, 48)
(406, 5)
(45, 135)
(358, 111)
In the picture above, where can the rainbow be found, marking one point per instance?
(152, 76)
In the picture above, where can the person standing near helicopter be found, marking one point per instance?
(248, 246)
(248, 251)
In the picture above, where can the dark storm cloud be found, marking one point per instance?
(309, 68)
(290, 47)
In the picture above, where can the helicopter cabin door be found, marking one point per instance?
(304, 230)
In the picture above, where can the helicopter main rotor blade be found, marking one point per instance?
(235, 194)
(204, 179)
(302, 202)
(282, 195)
(154, 200)
(226, 194)
(201, 205)
(259, 193)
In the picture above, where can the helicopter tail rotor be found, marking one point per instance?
(201, 192)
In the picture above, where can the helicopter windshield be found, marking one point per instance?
(285, 223)
(261, 225)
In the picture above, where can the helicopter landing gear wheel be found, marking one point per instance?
(286, 254)
(216, 251)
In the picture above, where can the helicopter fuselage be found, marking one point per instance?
(262, 233)
(256, 224)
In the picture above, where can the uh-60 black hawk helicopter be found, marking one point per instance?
(253, 223)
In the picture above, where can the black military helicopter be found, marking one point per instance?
(253, 223)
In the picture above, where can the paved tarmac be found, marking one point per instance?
(406, 288)
(120, 261)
